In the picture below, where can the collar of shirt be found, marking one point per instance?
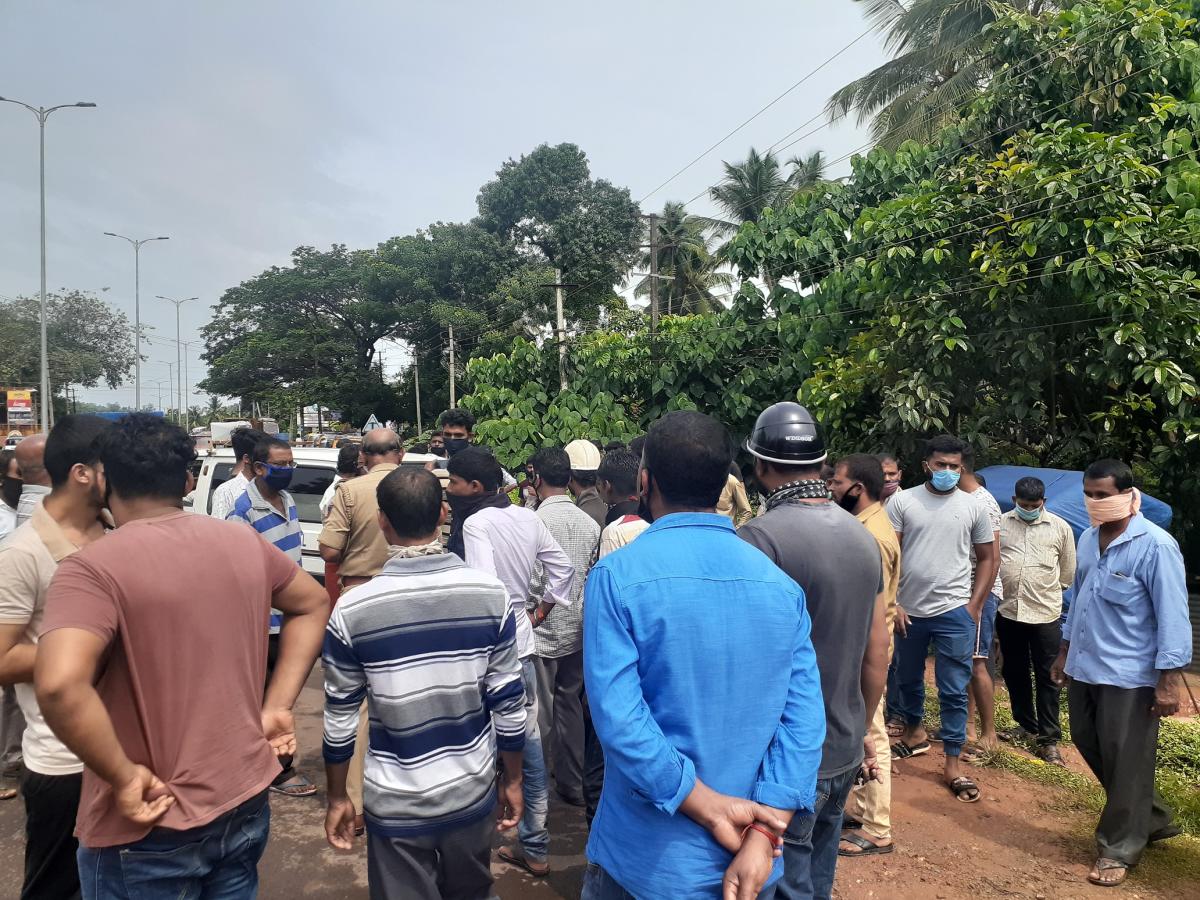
(259, 502)
(1043, 519)
(619, 510)
(556, 499)
(875, 509)
(417, 565)
(691, 519)
(34, 490)
(51, 534)
(384, 467)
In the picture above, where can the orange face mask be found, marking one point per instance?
(1114, 508)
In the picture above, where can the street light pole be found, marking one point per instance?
(137, 311)
(43, 113)
(178, 347)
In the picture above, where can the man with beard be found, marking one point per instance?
(837, 563)
(67, 520)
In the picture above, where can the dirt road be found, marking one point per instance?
(1022, 840)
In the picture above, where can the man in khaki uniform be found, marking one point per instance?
(352, 538)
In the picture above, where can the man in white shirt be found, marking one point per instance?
(504, 540)
(68, 519)
(243, 439)
(10, 492)
(35, 483)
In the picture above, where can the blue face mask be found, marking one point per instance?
(278, 477)
(1028, 515)
(944, 480)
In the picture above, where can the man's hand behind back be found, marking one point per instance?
(727, 817)
(142, 797)
(750, 869)
(279, 727)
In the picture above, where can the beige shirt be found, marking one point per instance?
(734, 504)
(1037, 563)
(876, 521)
(352, 525)
(28, 561)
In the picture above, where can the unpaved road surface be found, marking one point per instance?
(1022, 840)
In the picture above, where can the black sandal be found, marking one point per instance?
(901, 750)
(867, 847)
(1103, 864)
(961, 786)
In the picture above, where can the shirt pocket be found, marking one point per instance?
(1121, 590)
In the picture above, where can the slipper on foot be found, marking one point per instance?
(961, 788)
(1108, 865)
(866, 847)
(515, 857)
(901, 750)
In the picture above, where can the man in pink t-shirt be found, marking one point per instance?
(150, 669)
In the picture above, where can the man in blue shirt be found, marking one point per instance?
(1126, 639)
(704, 690)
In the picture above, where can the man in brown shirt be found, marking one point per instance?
(857, 486)
(150, 669)
(351, 536)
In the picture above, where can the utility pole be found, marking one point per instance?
(417, 391)
(453, 383)
(653, 273)
(561, 330)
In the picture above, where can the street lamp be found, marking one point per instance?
(170, 374)
(42, 114)
(137, 311)
(178, 346)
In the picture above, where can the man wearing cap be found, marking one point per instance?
(585, 460)
(829, 553)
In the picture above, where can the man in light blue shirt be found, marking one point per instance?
(704, 689)
(1126, 639)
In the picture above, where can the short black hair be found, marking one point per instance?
(457, 417)
(688, 455)
(262, 450)
(146, 456)
(614, 445)
(888, 457)
(419, 448)
(411, 498)
(586, 477)
(244, 440)
(865, 469)
(1029, 489)
(347, 463)
(944, 443)
(637, 446)
(382, 448)
(968, 456)
(72, 441)
(553, 466)
(476, 464)
(620, 469)
(1118, 471)
(982, 480)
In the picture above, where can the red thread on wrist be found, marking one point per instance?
(776, 840)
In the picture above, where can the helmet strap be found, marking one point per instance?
(805, 489)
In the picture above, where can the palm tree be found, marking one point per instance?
(758, 183)
(937, 68)
(687, 267)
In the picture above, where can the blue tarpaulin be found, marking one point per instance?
(1064, 494)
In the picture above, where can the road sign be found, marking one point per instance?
(372, 424)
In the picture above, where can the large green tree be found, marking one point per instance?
(88, 341)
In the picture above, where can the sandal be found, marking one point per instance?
(296, 786)
(901, 750)
(867, 848)
(515, 857)
(1049, 754)
(1016, 735)
(1103, 864)
(961, 787)
(896, 728)
(8, 793)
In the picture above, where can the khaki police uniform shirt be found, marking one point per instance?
(352, 525)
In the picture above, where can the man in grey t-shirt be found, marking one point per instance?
(940, 601)
(830, 554)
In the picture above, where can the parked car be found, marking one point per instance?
(315, 469)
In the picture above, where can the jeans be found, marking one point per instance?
(1027, 648)
(953, 637)
(535, 839)
(599, 885)
(891, 696)
(217, 861)
(51, 803)
(810, 845)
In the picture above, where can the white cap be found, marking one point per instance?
(584, 456)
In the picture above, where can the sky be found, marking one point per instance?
(243, 130)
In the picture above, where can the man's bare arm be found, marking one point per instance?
(17, 655)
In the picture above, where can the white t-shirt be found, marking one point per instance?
(223, 498)
(620, 532)
(984, 496)
(8, 520)
(28, 560)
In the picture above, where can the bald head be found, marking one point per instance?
(382, 445)
(31, 458)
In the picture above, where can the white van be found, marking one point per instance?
(315, 468)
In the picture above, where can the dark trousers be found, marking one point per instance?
(1031, 648)
(593, 765)
(599, 885)
(810, 844)
(560, 718)
(286, 773)
(51, 804)
(451, 865)
(1117, 736)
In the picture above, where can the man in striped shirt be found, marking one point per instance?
(432, 646)
(268, 508)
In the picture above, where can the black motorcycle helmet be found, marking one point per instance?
(787, 433)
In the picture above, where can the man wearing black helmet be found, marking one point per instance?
(836, 561)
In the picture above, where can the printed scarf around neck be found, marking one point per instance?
(808, 489)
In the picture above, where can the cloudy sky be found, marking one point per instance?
(244, 129)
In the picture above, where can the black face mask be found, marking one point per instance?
(456, 445)
(849, 501)
(11, 491)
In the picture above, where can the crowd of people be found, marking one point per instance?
(721, 688)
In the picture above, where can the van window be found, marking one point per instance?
(220, 475)
(308, 486)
